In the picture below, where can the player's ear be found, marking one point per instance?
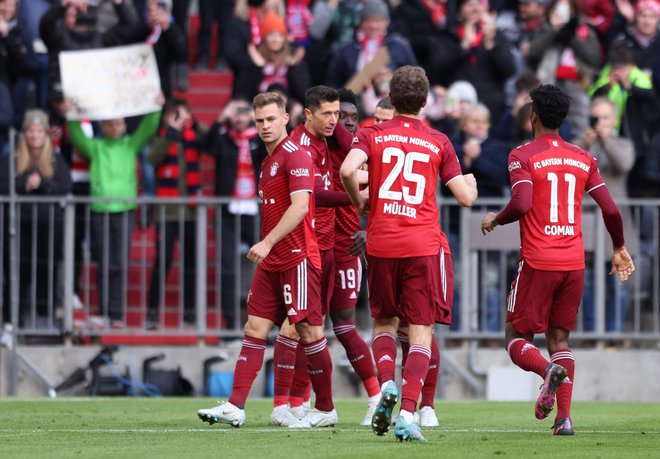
(286, 117)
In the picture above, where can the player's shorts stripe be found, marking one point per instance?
(302, 285)
(522, 181)
(512, 296)
(359, 274)
(443, 274)
(597, 186)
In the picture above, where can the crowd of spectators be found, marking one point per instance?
(482, 59)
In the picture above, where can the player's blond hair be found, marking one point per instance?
(267, 98)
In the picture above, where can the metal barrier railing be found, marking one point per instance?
(58, 252)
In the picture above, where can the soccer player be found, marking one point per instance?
(546, 294)
(287, 280)
(408, 260)
(426, 416)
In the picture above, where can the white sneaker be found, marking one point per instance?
(427, 417)
(371, 408)
(282, 416)
(316, 418)
(224, 413)
(300, 411)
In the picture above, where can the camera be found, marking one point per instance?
(87, 18)
(593, 121)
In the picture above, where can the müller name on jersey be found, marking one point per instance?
(394, 208)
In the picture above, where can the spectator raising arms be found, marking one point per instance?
(113, 178)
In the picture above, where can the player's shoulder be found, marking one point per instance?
(576, 150)
(288, 145)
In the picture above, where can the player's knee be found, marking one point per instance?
(257, 328)
(309, 333)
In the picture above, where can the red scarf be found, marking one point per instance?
(438, 12)
(245, 183)
(169, 173)
(478, 37)
(368, 48)
(255, 27)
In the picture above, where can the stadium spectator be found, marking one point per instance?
(287, 280)
(243, 31)
(370, 39)
(169, 43)
(175, 153)
(631, 91)
(476, 52)
(275, 62)
(39, 172)
(404, 253)
(16, 44)
(641, 33)
(113, 178)
(565, 51)
(334, 23)
(616, 157)
(29, 14)
(232, 140)
(70, 25)
(210, 12)
(546, 294)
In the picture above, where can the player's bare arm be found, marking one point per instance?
(290, 220)
(349, 177)
(464, 189)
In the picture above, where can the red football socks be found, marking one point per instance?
(300, 386)
(414, 374)
(428, 389)
(284, 362)
(359, 355)
(384, 349)
(320, 373)
(248, 365)
(564, 357)
(527, 356)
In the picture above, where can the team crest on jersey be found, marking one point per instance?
(355, 139)
(273, 169)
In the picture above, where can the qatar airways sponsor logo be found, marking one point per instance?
(513, 165)
(300, 172)
(394, 208)
(559, 230)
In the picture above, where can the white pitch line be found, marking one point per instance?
(215, 430)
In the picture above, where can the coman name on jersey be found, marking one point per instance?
(394, 208)
(559, 230)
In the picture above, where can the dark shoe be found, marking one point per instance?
(563, 427)
(554, 376)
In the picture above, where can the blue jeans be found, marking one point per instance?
(616, 301)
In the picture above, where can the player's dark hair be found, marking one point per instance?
(409, 89)
(346, 95)
(316, 95)
(385, 103)
(550, 104)
(267, 98)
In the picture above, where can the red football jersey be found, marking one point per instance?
(551, 232)
(347, 221)
(288, 170)
(325, 216)
(405, 159)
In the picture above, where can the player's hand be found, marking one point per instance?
(259, 251)
(489, 223)
(359, 244)
(622, 264)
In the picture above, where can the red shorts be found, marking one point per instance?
(539, 300)
(348, 278)
(327, 279)
(418, 290)
(294, 293)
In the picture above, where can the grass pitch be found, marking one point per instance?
(169, 427)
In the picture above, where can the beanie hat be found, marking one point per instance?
(652, 5)
(462, 91)
(33, 117)
(375, 8)
(272, 22)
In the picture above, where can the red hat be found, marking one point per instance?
(652, 5)
(273, 23)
